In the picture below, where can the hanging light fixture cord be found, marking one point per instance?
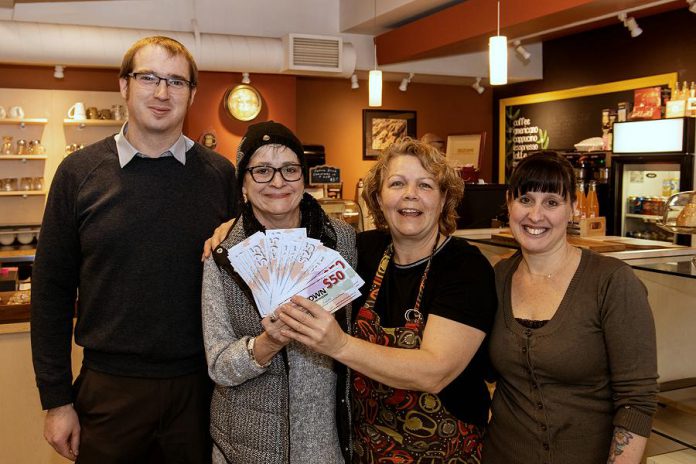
(374, 20)
(375, 48)
(498, 17)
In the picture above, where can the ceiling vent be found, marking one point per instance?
(313, 53)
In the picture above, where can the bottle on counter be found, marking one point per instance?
(666, 97)
(359, 190)
(592, 203)
(691, 100)
(581, 211)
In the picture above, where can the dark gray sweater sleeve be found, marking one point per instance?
(55, 279)
(629, 332)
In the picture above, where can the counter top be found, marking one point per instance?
(17, 254)
(648, 255)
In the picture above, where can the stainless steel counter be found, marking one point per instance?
(683, 266)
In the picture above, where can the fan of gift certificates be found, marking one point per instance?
(284, 262)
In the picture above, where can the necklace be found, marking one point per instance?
(549, 275)
(546, 276)
(413, 316)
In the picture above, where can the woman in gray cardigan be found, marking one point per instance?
(573, 339)
(274, 401)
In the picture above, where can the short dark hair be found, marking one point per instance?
(450, 184)
(172, 46)
(544, 171)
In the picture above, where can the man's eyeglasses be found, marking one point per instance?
(265, 174)
(152, 80)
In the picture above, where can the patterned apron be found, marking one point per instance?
(403, 426)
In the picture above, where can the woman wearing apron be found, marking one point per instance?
(416, 355)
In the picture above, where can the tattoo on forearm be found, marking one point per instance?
(622, 438)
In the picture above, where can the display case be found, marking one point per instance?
(651, 161)
(345, 210)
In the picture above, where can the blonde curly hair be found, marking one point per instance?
(451, 185)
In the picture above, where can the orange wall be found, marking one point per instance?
(329, 113)
(41, 77)
(208, 113)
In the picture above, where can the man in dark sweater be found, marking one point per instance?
(124, 224)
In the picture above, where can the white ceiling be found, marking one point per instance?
(353, 20)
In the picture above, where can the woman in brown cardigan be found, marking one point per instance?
(573, 339)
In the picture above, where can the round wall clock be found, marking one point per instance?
(243, 102)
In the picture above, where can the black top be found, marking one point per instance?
(531, 323)
(130, 240)
(460, 287)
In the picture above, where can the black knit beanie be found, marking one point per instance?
(266, 133)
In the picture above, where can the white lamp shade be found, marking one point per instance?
(497, 59)
(375, 88)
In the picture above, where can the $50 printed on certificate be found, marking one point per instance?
(284, 262)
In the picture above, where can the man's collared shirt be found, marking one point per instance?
(126, 151)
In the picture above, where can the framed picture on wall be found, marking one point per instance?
(381, 128)
(463, 149)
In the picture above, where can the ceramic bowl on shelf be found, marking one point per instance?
(25, 237)
(7, 238)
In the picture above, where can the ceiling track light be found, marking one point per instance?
(631, 24)
(245, 78)
(478, 87)
(692, 5)
(59, 71)
(522, 52)
(354, 84)
(405, 81)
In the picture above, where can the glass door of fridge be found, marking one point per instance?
(645, 188)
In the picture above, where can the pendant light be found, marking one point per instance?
(497, 57)
(375, 88)
(375, 82)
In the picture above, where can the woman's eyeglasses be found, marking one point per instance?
(265, 174)
(152, 80)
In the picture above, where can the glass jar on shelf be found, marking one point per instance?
(38, 183)
(35, 148)
(26, 183)
(22, 147)
(6, 145)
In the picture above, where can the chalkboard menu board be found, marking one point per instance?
(324, 175)
(560, 119)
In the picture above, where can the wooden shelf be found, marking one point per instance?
(25, 121)
(22, 193)
(17, 253)
(645, 217)
(23, 157)
(93, 122)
